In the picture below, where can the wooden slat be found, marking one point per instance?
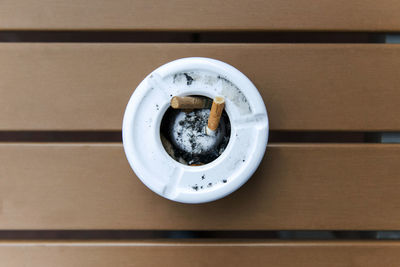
(298, 186)
(205, 253)
(356, 15)
(305, 87)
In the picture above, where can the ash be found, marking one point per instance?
(189, 132)
(185, 139)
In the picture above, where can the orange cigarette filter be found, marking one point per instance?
(215, 113)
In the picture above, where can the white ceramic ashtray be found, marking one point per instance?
(209, 144)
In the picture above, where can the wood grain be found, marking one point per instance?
(297, 186)
(305, 86)
(201, 253)
(340, 15)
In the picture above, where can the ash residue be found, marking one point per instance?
(189, 78)
(233, 93)
(184, 136)
(188, 132)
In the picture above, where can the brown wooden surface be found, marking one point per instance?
(297, 186)
(356, 15)
(201, 253)
(305, 87)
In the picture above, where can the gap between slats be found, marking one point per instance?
(201, 235)
(190, 37)
(116, 136)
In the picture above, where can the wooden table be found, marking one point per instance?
(68, 196)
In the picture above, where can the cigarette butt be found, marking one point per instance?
(215, 113)
(188, 102)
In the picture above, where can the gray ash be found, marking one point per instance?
(185, 139)
(188, 77)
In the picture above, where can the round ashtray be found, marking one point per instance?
(170, 150)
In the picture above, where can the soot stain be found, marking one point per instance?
(189, 79)
(228, 82)
(239, 92)
(178, 78)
